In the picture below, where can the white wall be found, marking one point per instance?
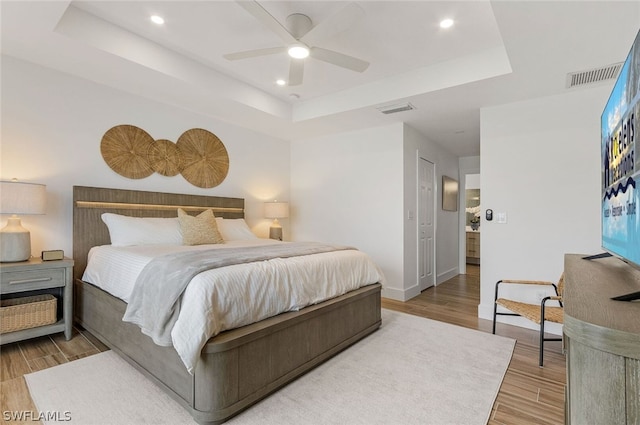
(356, 188)
(347, 189)
(52, 125)
(541, 165)
(472, 181)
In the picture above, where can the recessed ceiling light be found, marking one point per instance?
(446, 23)
(157, 19)
(281, 82)
(298, 51)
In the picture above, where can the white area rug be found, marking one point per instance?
(411, 371)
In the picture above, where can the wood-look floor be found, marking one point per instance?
(528, 395)
(20, 358)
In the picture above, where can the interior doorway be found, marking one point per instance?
(472, 219)
(469, 179)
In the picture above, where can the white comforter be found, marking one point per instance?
(238, 295)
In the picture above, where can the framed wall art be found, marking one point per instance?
(449, 194)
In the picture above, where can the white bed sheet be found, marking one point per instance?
(116, 268)
(238, 295)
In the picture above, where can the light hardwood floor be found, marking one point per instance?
(20, 358)
(528, 395)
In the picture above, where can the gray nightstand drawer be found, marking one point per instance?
(28, 280)
(37, 277)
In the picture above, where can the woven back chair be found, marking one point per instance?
(536, 313)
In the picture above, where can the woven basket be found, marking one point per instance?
(27, 312)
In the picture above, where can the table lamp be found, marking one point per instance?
(276, 210)
(18, 198)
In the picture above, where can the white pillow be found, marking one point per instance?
(235, 229)
(127, 231)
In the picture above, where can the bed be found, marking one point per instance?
(237, 367)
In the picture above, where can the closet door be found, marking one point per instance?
(426, 225)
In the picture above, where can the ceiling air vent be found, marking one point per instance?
(575, 79)
(399, 107)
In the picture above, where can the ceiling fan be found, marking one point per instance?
(301, 39)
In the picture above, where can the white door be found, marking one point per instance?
(426, 226)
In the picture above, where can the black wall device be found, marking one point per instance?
(489, 215)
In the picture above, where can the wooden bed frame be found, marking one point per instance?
(237, 368)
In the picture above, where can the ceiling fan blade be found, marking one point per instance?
(296, 71)
(339, 59)
(334, 24)
(267, 20)
(254, 53)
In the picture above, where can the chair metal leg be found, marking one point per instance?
(495, 307)
(542, 305)
(541, 337)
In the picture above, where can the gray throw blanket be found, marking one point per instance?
(154, 304)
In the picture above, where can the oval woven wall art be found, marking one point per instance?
(125, 149)
(165, 158)
(206, 161)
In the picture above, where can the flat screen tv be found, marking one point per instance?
(621, 164)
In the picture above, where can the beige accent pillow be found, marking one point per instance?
(199, 230)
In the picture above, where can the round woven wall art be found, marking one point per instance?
(165, 158)
(206, 161)
(125, 149)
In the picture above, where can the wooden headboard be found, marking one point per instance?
(90, 202)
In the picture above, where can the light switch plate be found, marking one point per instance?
(502, 217)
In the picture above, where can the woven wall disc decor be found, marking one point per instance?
(124, 149)
(198, 155)
(165, 158)
(206, 161)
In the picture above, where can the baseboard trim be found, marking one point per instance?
(400, 294)
(444, 276)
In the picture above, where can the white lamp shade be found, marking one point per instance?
(276, 209)
(18, 198)
(22, 198)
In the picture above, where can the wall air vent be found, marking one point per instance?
(575, 79)
(399, 107)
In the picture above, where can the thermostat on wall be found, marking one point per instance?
(56, 254)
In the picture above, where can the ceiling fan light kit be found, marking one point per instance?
(300, 37)
(298, 51)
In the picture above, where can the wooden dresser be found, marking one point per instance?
(473, 247)
(602, 342)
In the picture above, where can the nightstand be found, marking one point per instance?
(35, 277)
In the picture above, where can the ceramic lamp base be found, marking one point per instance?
(15, 242)
(275, 233)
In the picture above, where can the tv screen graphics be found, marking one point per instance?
(621, 163)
